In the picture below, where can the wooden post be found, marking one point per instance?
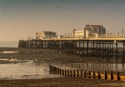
(111, 74)
(73, 73)
(93, 74)
(89, 74)
(99, 76)
(105, 75)
(68, 73)
(85, 74)
(81, 73)
(118, 76)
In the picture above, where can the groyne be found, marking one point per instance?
(85, 73)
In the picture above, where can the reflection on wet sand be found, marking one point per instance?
(34, 63)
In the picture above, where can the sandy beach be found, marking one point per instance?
(61, 82)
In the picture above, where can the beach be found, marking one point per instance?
(61, 82)
(39, 56)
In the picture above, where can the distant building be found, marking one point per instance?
(90, 31)
(78, 33)
(45, 35)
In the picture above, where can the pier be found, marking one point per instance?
(98, 47)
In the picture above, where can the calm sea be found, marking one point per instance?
(8, 43)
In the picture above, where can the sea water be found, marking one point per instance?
(8, 43)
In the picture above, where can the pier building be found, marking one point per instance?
(90, 31)
(45, 35)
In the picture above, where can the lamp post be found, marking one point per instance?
(122, 33)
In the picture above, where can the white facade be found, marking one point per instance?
(45, 35)
(90, 31)
(78, 34)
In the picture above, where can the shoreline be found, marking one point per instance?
(61, 82)
(50, 55)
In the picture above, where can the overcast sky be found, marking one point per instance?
(21, 18)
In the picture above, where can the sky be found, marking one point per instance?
(22, 18)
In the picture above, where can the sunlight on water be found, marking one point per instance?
(26, 70)
(9, 52)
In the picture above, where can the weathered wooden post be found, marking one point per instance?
(99, 76)
(89, 74)
(85, 74)
(93, 74)
(118, 76)
(111, 74)
(105, 75)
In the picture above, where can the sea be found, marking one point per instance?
(8, 43)
(12, 68)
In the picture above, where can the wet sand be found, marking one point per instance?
(61, 82)
(45, 55)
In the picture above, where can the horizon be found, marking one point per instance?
(22, 18)
(9, 44)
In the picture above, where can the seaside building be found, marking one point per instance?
(90, 31)
(78, 33)
(45, 35)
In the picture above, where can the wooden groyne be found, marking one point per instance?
(106, 75)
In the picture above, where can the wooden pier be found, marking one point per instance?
(101, 47)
